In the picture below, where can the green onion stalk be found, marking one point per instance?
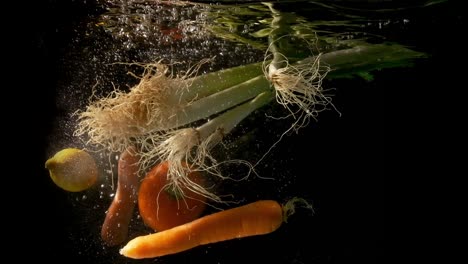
(180, 119)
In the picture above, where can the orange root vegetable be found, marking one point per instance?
(161, 208)
(115, 228)
(257, 218)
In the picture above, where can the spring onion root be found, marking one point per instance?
(161, 101)
(193, 145)
(298, 86)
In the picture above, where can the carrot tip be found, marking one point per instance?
(130, 250)
(124, 251)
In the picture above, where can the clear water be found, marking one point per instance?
(336, 162)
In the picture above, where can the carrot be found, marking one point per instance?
(115, 228)
(257, 218)
(161, 208)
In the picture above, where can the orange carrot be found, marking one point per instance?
(162, 209)
(257, 218)
(115, 228)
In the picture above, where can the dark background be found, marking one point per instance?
(346, 181)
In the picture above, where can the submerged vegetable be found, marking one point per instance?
(161, 207)
(115, 227)
(72, 169)
(257, 218)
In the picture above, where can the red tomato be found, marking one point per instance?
(161, 209)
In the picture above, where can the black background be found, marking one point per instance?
(346, 181)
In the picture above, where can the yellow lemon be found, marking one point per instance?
(72, 169)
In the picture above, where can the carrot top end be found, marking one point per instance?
(289, 208)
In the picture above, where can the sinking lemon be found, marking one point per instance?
(72, 169)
